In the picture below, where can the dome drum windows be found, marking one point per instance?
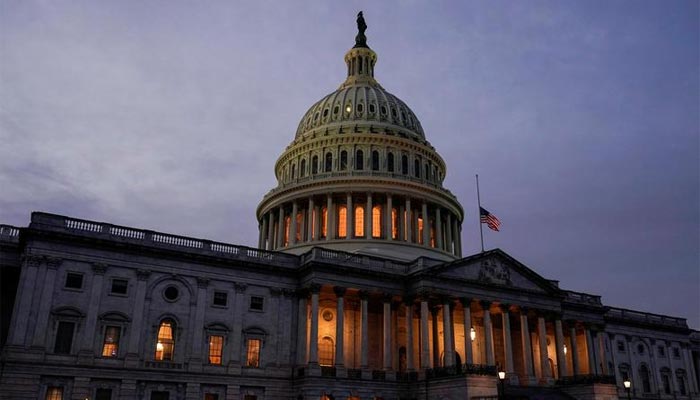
(314, 165)
(375, 160)
(343, 160)
(328, 166)
(359, 160)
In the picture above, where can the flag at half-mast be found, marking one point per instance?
(489, 219)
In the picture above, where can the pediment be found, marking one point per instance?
(495, 268)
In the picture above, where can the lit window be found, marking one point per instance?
(300, 226)
(432, 234)
(359, 221)
(216, 348)
(64, 337)
(74, 280)
(376, 221)
(324, 221)
(287, 222)
(326, 349)
(166, 341)
(342, 220)
(394, 223)
(253, 357)
(54, 393)
(119, 286)
(420, 230)
(110, 346)
(211, 396)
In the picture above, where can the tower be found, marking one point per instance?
(360, 176)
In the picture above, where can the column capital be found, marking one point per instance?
(275, 291)
(363, 294)
(408, 300)
(339, 290)
(424, 294)
(466, 301)
(142, 274)
(55, 262)
(31, 260)
(240, 287)
(202, 283)
(387, 297)
(571, 323)
(315, 288)
(446, 299)
(302, 293)
(485, 304)
(504, 307)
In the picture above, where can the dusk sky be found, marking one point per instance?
(580, 117)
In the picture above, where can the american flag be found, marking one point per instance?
(489, 219)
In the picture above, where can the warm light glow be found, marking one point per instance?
(253, 356)
(324, 221)
(359, 221)
(348, 108)
(342, 221)
(216, 346)
(565, 350)
(394, 223)
(287, 223)
(376, 221)
(111, 341)
(166, 341)
(300, 226)
(501, 375)
(159, 346)
(472, 333)
(420, 230)
(627, 384)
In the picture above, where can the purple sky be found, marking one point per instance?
(580, 117)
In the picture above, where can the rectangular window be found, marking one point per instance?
(662, 351)
(216, 349)
(620, 346)
(676, 352)
(74, 280)
(220, 299)
(211, 396)
(103, 394)
(160, 395)
(54, 393)
(110, 346)
(64, 337)
(120, 286)
(257, 303)
(253, 358)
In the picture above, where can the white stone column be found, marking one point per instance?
(447, 332)
(407, 221)
(544, 355)
(409, 334)
(280, 228)
(561, 357)
(133, 353)
(426, 225)
(293, 224)
(22, 307)
(317, 223)
(339, 327)
(310, 221)
(434, 312)
(507, 341)
(368, 217)
(349, 214)
(424, 336)
(386, 331)
(263, 234)
(388, 222)
(330, 216)
(467, 311)
(488, 333)
(313, 340)
(689, 367)
(438, 229)
(46, 298)
(87, 351)
(600, 348)
(527, 345)
(301, 328)
(235, 355)
(364, 355)
(198, 329)
(270, 231)
(574, 348)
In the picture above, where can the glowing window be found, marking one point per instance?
(324, 220)
(287, 222)
(432, 235)
(300, 226)
(376, 221)
(359, 221)
(166, 341)
(54, 393)
(420, 230)
(253, 356)
(342, 220)
(394, 223)
(326, 348)
(110, 346)
(216, 349)
(313, 223)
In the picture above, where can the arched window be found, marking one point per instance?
(300, 226)
(644, 375)
(342, 220)
(324, 221)
(404, 165)
(302, 169)
(666, 380)
(314, 165)
(329, 162)
(359, 160)
(427, 172)
(680, 378)
(377, 221)
(165, 343)
(420, 231)
(287, 223)
(375, 160)
(294, 171)
(394, 223)
(416, 168)
(360, 64)
(343, 160)
(359, 221)
(390, 162)
(326, 348)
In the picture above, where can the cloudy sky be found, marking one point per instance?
(581, 119)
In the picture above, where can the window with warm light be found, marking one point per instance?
(216, 349)
(342, 221)
(420, 230)
(253, 356)
(324, 222)
(110, 346)
(359, 221)
(54, 393)
(394, 223)
(326, 349)
(300, 226)
(287, 222)
(166, 341)
(376, 221)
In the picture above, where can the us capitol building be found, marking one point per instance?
(358, 290)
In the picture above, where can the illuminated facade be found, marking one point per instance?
(358, 290)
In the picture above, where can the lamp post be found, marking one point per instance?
(628, 384)
(502, 379)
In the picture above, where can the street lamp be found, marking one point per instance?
(472, 333)
(502, 378)
(627, 384)
(565, 349)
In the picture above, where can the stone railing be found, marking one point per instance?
(9, 233)
(586, 380)
(353, 260)
(157, 239)
(456, 370)
(648, 318)
(582, 298)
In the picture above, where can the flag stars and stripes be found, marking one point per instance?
(489, 219)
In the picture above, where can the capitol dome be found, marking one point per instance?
(361, 177)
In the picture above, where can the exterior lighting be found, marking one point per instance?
(565, 350)
(627, 384)
(159, 346)
(472, 333)
(348, 108)
(501, 375)
(502, 378)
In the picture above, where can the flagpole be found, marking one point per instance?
(478, 199)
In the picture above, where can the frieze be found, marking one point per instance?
(202, 283)
(142, 274)
(492, 271)
(240, 287)
(99, 268)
